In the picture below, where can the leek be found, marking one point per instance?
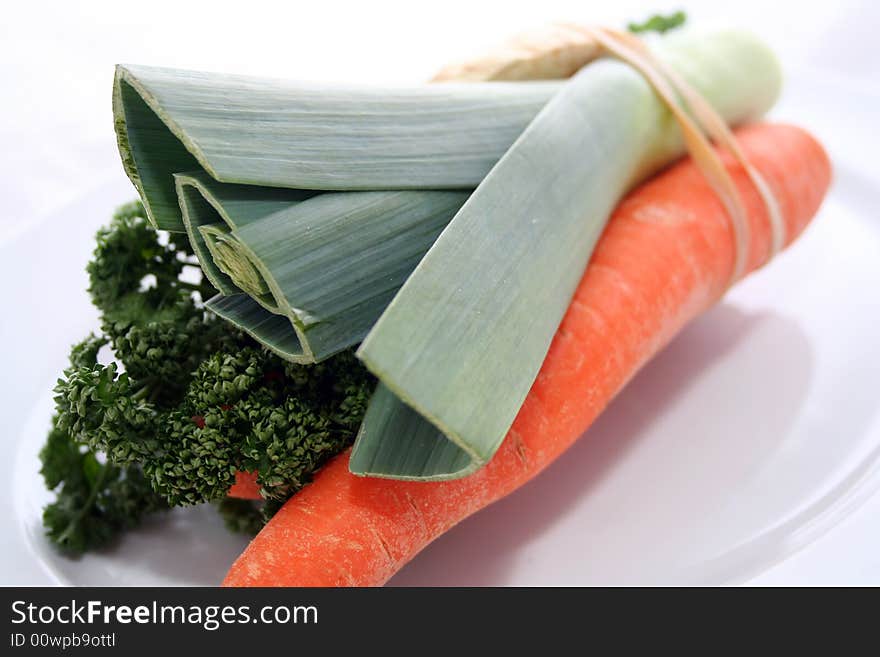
(230, 158)
(459, 346)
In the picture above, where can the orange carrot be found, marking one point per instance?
(245, 486)
(665, 256)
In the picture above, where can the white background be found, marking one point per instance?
(57, 142)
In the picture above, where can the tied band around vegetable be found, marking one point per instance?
(527, 57)
(668, 85)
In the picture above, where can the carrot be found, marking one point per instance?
(245, 486)
(665, 256)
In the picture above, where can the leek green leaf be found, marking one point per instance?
(275, 133)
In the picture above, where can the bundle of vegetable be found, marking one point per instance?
(309, 275)
(197, 401)
(327, 216)
(665, 257)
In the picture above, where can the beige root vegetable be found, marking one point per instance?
(546, 53)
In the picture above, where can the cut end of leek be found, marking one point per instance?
(327, 265)
(233, 259)
(274, 332)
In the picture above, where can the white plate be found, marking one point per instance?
(751, 435)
